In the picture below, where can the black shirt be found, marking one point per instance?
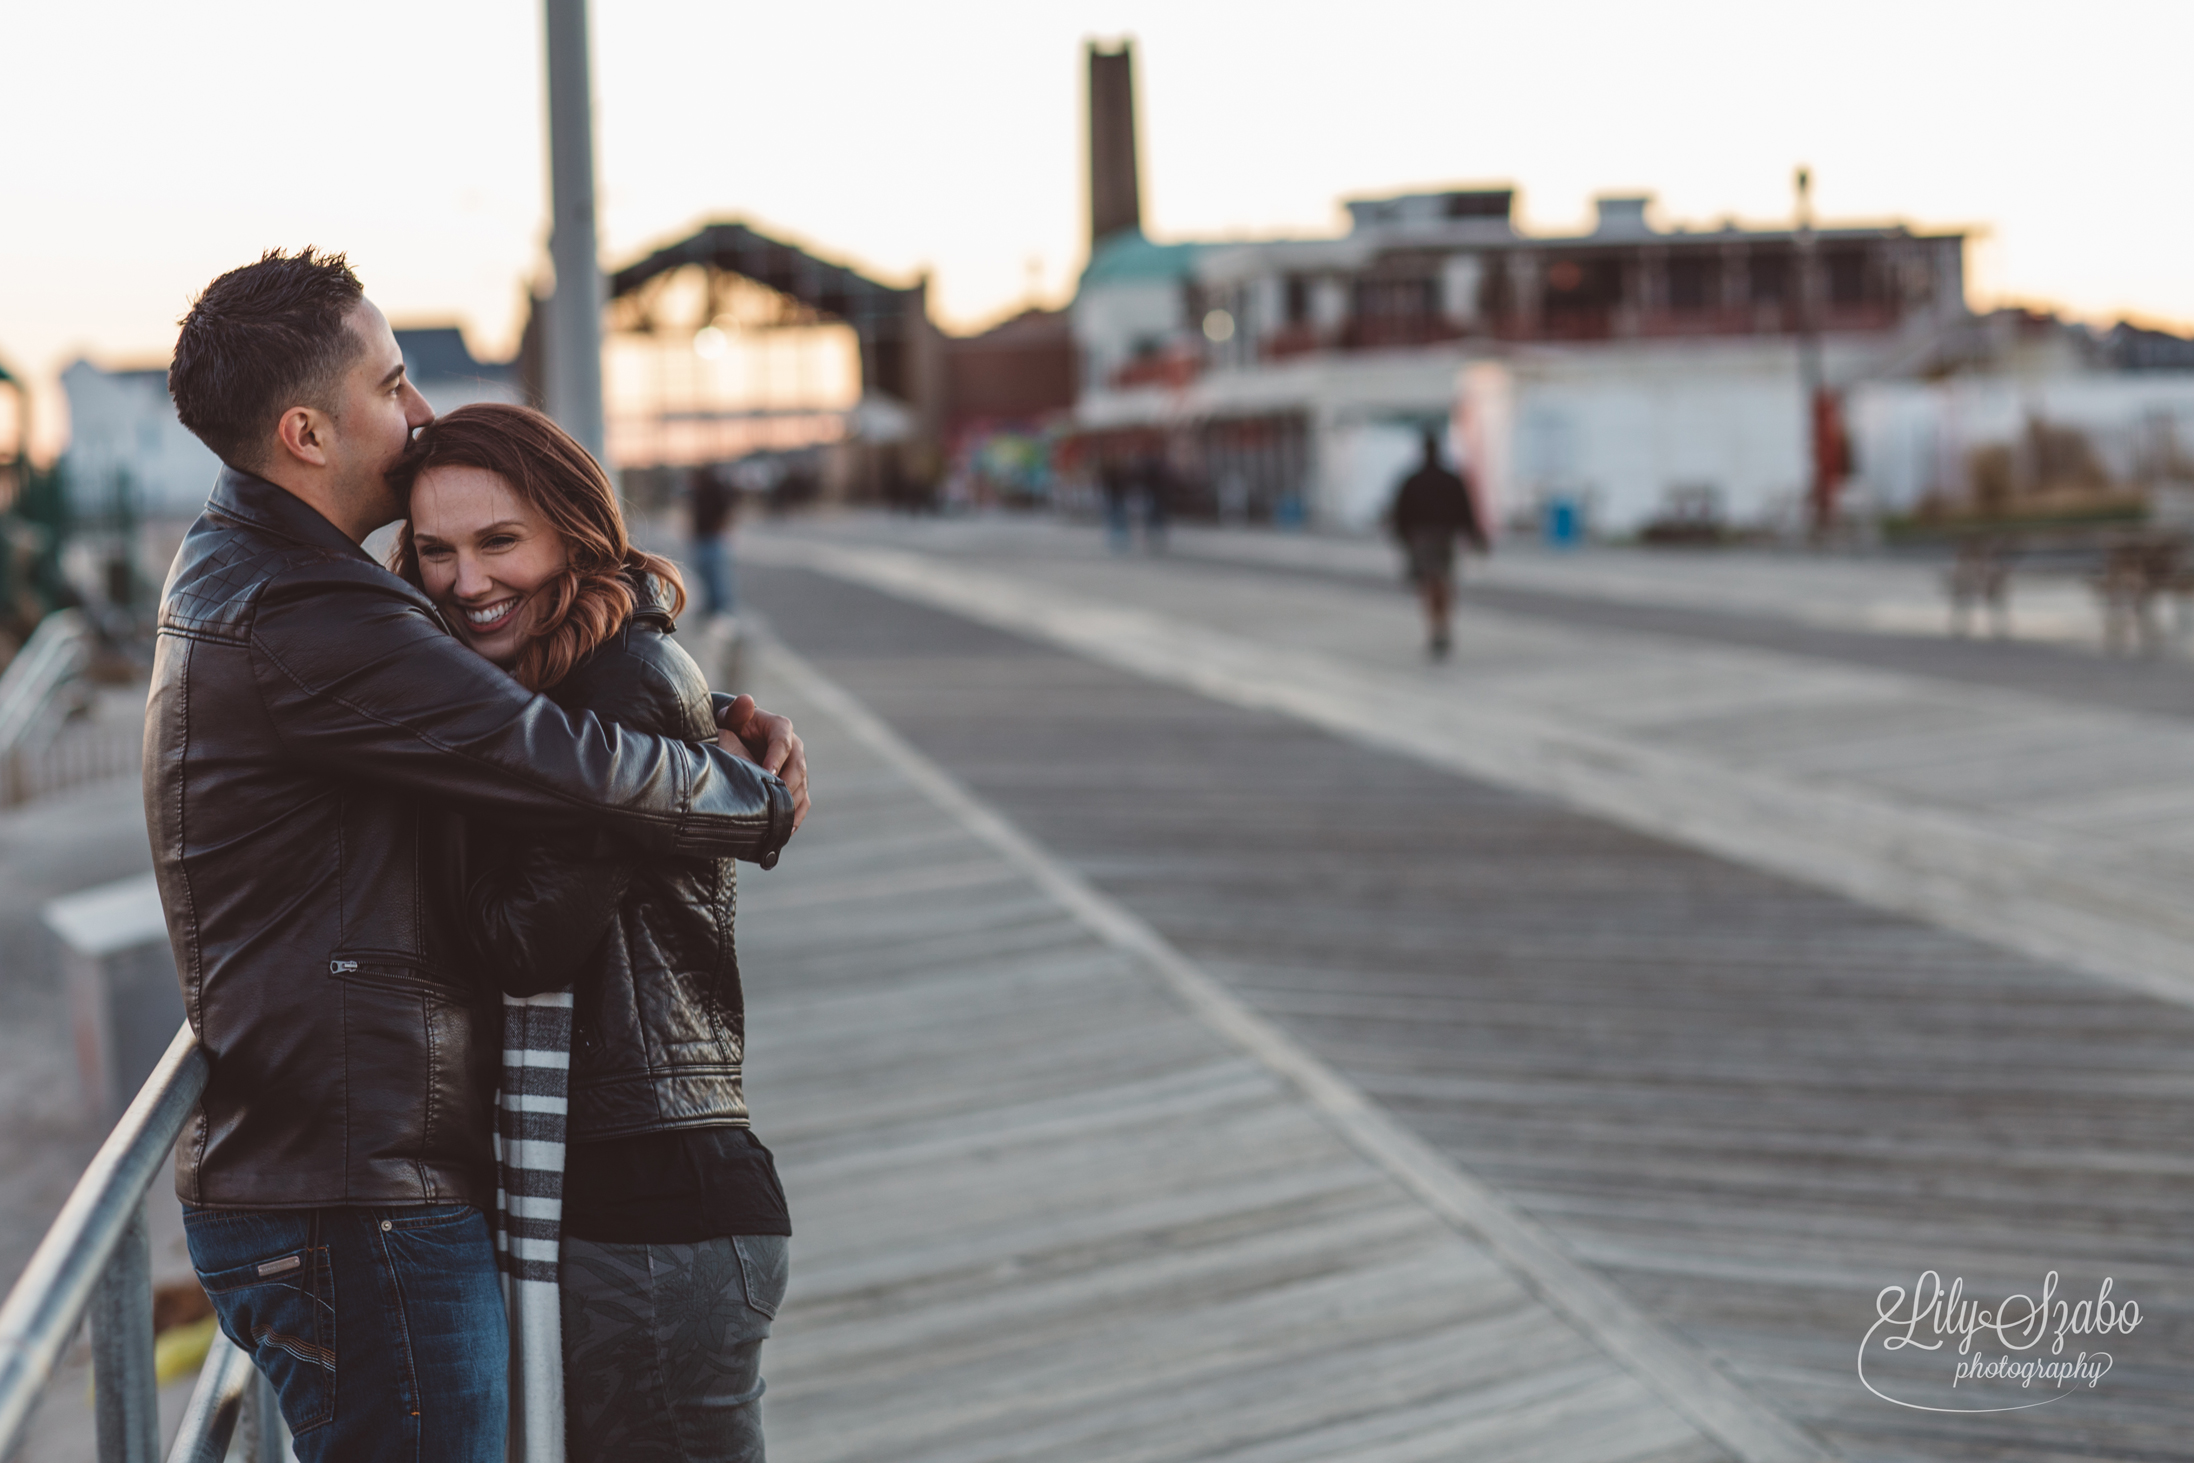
(675, 1188)
(1434, 500)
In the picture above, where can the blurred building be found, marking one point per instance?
(128, 452)
(2021, 416)
(1640, 374)
(447, 373)
(738, 351)
(1631, 367)
(125, 442)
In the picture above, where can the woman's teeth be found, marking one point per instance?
(491, 613)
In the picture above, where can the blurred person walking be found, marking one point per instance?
(312, 729)
(1155, 476)
(1113, 480)
(666, 1233)
(711, 504)
(1431, 509)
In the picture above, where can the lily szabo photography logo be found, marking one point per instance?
(1937, 1349)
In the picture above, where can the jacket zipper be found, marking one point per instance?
(391, 974)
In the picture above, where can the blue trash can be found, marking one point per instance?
(1563, 522)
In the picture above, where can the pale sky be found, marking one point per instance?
(149, 146)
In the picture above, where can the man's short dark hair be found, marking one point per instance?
(258, 341)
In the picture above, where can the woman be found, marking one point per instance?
(674, 1225)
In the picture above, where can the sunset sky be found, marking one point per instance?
(151, 146)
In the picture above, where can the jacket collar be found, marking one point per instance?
(648, 600)
(254, 500)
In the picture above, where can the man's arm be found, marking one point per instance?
(535, 915)
(356, 678)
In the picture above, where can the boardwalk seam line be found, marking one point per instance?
(1668, 1365)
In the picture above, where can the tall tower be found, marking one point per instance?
(1115, 186)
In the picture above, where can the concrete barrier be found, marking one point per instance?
(119, 972)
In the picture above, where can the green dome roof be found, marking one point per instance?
(1127, 255)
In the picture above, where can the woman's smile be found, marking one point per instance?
(489, 617)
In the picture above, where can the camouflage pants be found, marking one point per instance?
(663, 1348)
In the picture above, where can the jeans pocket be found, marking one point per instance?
(765, 1267)
(430, 1216)
(281, 1308)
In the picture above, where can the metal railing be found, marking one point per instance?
(97, 1260)
(53, 656)
(33, 703)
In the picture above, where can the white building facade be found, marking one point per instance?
(1623, 370)
(125, 439)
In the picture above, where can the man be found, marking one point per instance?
(311, 727)
(1431, 508)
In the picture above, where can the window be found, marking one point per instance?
(1693, 283)
(1770, 276)
(1397, 299)
(1846, 270)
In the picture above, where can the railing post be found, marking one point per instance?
(126, 1398)
(263, 1419)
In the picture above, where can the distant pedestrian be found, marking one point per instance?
(1431, 509)
(1112, 478)
(710, 504)
(1155, 477)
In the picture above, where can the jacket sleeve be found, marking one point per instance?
(537, 914)
(356, 677)
(538, 906)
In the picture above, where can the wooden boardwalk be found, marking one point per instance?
(1045, 1210)
(1744, 1103)
(2052, 822)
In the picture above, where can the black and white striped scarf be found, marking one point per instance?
(532, 1104)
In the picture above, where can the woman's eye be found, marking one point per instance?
(500, 541)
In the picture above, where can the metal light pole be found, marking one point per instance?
(572, 365)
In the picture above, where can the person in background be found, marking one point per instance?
(1155, 477)
(710, 506)
(1112, 478)
(1432, 508)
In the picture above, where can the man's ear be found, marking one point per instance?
(303, 434)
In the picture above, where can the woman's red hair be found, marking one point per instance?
(591, 598)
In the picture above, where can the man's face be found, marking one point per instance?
(375, 410)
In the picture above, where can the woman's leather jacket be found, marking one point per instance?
(644, 940)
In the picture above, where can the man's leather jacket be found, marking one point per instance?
(313, 727)
(658, 1018)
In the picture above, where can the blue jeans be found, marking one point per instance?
(382, 1330)
(711, 560)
